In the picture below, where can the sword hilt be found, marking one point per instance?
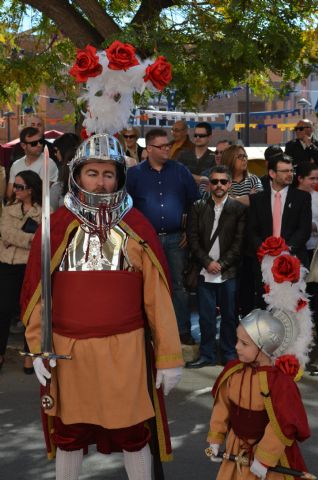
(46, 355)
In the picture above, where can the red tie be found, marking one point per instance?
(277, 215)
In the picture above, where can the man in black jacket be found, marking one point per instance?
(295, 216)
(215, 236)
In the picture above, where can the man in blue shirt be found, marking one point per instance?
(164, 190)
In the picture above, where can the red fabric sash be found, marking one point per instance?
(248, 424)
(75, 315)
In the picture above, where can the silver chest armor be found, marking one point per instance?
(85, 253)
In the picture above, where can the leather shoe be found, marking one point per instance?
(28, 370)
(202, 362)
(187, 339)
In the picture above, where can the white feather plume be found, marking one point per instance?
(285, 296)
(109, 96)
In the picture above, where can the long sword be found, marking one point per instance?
(46, 303)
(240, 459)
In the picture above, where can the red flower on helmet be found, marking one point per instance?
(272, 246)
(159, 73)
(301, 304)
(86, 64)
(121, 56)
(286, 268)
(84, 135)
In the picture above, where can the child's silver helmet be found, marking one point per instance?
(273, 332)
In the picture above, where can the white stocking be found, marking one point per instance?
(68, 464)
(138, 464)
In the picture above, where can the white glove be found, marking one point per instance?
(215, 450)
(258, 469)
(40, 371)
(168, 377)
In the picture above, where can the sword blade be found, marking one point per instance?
(46, 340)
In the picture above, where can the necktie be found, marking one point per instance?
(277, 215)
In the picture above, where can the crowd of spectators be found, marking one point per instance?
(210, 213)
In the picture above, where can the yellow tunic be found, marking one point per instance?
(268, 450)
(105, 382)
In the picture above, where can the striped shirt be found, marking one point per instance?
(245, 186)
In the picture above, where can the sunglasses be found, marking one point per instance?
(301, 129)
(129, 136)
(218, 152)
(35, 142)
(216, 181)
(20, 187)
(165, 146)
(200, 135)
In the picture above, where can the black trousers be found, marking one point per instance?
(11, 279)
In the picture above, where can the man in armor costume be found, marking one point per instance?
(109, 286)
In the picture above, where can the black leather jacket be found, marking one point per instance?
(231, 233)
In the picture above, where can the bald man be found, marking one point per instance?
(304, 147)
(181, 140)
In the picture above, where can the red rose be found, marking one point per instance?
(159, 73)
(266, 288)
(86, 64)
(286, 268)
(288, 364)
(301, 304)
(121, 56)
(272, 246)
(84, 134)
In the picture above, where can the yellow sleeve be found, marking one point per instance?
(161, 317)
(270, 449)
(220, 416)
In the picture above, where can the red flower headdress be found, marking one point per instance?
(285, 289)
(111, 77)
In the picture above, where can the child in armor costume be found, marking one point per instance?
(258, 409)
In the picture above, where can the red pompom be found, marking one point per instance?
(288, 364)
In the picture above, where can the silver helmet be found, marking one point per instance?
(273, 332)
(102, 209)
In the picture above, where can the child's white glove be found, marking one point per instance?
(258, 469)
(168, 377)
(215, 450)
(40, 371)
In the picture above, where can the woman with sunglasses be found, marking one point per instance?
(132, 148)
(243, 182)
(18, 223)
(243, 185)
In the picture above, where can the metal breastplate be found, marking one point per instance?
(86, 253)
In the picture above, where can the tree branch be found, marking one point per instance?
(69, 21)
(104, 24)
(149, 9)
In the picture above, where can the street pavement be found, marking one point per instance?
(22, 454)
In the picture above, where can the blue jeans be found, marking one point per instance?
(176, 258)
(211, 295)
